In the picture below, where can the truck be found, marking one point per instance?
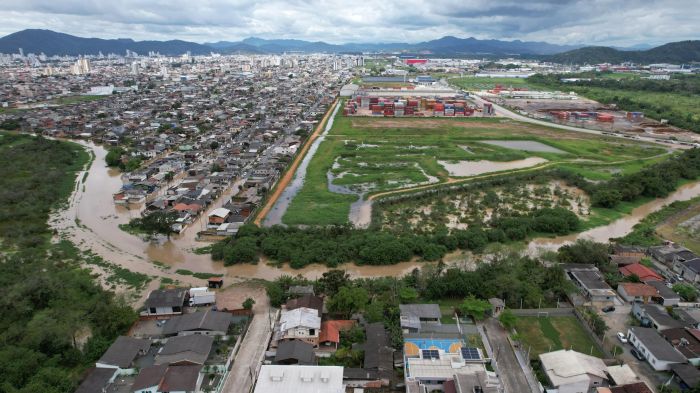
(201, 296)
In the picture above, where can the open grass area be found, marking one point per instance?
(545, 334)
(480, 83)
(373, 155)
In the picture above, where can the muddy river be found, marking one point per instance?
(617, 228)
(91, 221)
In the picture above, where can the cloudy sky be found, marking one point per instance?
(604, 22)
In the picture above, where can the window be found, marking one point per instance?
(152, 310)
(312, 332)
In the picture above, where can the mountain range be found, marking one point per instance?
(674, 52)
(54, 43)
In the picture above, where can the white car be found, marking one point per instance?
(621, 336)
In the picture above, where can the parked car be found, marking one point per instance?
(621, 336)
(636, 354)
(608, 309)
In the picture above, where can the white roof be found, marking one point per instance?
(220, 212)
(622, 375)
(444, 368)
(566, 366)
(302, 316)
(295, 379)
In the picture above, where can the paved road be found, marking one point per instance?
(245, 366)
(501, 111)
(512, 375)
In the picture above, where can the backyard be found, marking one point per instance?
(545, 334)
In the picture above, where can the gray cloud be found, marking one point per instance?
(602, 22)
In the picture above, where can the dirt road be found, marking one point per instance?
(292, 169)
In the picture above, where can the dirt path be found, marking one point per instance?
(292, 169)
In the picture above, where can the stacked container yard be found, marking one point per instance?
(605, 118)
(438, 109)
(635, 116)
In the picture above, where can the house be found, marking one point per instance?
(215, 282)
(497, 306)
(185, 350)
(592, 285)
(307, 301)
(168, 379)
(668, 254)
(378, 362)
(434, 368)
(479, 381)
(688, 269)
(636, 292)
(629, 251)
(622, 375)
(97, 380)
(301, 323)
(413, 315)
(644, 273)
(686, 375)
(122, 353)
(218, 216)
(637, 387)
(658, 353)
(664, 295)
(165, 302)
(329, 337)
(573, 372)
(295, 379)
(295, 352)
(686, 342)
(654, 316)
(207, 322)
(300, 290)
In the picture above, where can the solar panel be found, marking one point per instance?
(431, 354)
(471, 354)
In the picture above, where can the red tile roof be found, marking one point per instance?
(638, 289)
(644, 273)
(330, 330)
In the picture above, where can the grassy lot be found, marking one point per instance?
(373, 155)
(544, 334)
(480, 83)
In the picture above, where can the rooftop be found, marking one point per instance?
(658, 347)
(295, 379)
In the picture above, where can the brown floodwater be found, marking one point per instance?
(91, 221)
(619, 227)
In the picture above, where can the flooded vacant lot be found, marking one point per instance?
(473, 168)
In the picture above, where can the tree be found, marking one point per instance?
(474, 307)
(585, 251)
(214, 145)
(686, 291)
(408, 295)
(348, 300)
(248, 304)
(114, 156)
(169, 176)
(331, 281)
(159, 222)
(508, 319)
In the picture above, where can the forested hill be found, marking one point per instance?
(55, 320)
(674, 52)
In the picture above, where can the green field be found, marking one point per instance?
(545, 334)
(480, 83)
(375, 155)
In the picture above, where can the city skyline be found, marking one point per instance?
(603, 22)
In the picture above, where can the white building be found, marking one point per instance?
(302, 323)
(573, 372)
(657, 351)
(295, 379)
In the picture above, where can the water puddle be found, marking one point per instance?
(533, 146)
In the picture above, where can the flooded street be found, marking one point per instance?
(473, 168)
(617, 228)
